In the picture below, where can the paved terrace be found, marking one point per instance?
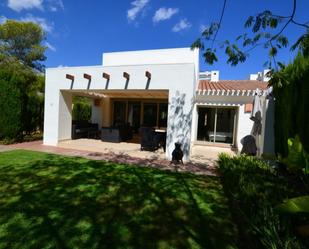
(203, 161)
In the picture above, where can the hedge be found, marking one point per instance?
(291, 92)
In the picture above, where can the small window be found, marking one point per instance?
(248, 107)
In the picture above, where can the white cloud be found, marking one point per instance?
(182, 25)
(48, 27)
(137, 7)
(164, 14)
(55, 5)
(51, 47)
(19, 5)
(2, 19)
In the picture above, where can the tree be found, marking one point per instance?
(22, 41)
(266, 29)
(10, 102)
(21, 82)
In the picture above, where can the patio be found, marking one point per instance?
(203, 159)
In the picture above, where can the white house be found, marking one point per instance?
(163, 88)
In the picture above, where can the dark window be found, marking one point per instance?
(119, 112)
(163, 115)
(150, 114)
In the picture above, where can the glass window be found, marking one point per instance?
(119, 113)
(216, 124)
(163, 114)
(150, 114)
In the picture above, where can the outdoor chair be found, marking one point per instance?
(149, 140)
(116, 134)
(84, 129)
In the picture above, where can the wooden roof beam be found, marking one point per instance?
(126, 75)
(87, 76)
(69, 76)
(106, 76)
(148, 75)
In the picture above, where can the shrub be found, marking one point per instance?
(254, 190)
(11, 106)
(291, 92)
(21, 102)
(81, 109)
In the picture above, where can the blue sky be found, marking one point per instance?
(79, 31)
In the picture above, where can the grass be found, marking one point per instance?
(50, 201)
(254, 190)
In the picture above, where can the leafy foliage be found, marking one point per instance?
(291, 93)
(81, 109)
(254, 190)
(265, 29)
(22, 41)
(10, 102)
(297, 159)
(21, 101)
(22, 95)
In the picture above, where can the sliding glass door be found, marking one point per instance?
(216, 124)
(140, 113)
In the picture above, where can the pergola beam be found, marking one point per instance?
(126, 75)
(87, 76)
(69, 76)
(148, 75)
(106, 76)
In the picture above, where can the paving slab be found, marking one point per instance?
(202, 163)
(5, 148)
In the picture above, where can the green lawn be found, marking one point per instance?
(50, 201)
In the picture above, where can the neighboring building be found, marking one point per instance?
(209, 75)
(261, 76)
(142, 87)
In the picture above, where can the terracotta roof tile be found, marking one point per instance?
(232, 85)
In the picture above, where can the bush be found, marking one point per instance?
(11, 106)
(291, 92)
(254, 190)
(21, 101)
(81, 109)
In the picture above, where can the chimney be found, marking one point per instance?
(214, 76)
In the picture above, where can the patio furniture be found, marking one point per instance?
(224, 137)
(116, 134)
(84, 129)
(149, 141)
(109, 134)
(160, 135)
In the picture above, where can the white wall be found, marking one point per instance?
(180, 79)
(96, 113)
(153, 57)
(244, 125)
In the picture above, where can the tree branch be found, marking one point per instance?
(287, 23)
(219, 25)
(273, 57)
(301, 24)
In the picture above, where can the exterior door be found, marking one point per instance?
(216, 124)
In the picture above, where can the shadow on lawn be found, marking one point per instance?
(61, 202)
